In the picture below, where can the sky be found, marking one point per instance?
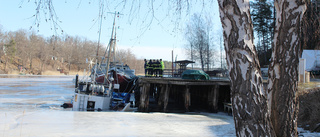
(150, 36)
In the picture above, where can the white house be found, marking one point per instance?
(312, 59)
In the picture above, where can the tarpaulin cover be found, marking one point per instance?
(195, 75)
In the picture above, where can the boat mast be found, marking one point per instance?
(97, 55)
(111, 47)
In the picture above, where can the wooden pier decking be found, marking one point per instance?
(186, 94)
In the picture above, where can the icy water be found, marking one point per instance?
(30, 106)
(34, 92)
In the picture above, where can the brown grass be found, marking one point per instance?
(309, 107)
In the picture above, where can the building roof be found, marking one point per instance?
(184, 61)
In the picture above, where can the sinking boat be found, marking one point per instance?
(109, 86)
(120, 75)
(95, 94)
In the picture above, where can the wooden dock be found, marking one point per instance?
(172, 94)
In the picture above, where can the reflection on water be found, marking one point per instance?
(34, 92)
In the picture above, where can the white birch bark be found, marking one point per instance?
(283, 70)
(249, 103)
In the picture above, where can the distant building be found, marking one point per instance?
(312, 58)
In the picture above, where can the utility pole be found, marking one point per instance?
(220, 51)
(172, 62)
(191, 54)
(208, 49)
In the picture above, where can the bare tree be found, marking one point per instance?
(42, 53)
(127, 57)
(69, 48)
(2, 38)
(21, 38)
(10, 52)
(197, 36)
(33, 50)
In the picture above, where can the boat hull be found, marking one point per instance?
(125, 83)
(84, 102)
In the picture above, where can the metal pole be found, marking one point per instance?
(101, 14)
(208, 50)
(220, 52)
(172, 62)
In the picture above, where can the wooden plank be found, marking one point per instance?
(215, 91)
(213, 96)
(161, 95)
(166, 97)
(187, 98)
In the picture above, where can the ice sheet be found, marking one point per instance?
(69, 123)
(29, 106)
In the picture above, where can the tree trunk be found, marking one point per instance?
(249, 104)
(283, 70)
(201, 52)
(30, 66)
(5, 63)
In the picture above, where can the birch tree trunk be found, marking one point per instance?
(283, 70)
(249, 103)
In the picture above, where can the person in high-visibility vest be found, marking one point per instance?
(157, 67)
(150, 69)
(162, 68)
(154, 65)
(146, 65)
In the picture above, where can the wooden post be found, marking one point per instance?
(213, 98)
(144, 97)
(187, 99)
(166, 97)
(161, 95)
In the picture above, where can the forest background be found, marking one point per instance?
(26, 52)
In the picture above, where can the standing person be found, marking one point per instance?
(162, 68)
(150, 69)
(154, 66)
(146, 66)
(157, 68)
